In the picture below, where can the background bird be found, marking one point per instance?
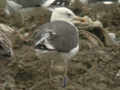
(45, 3)
(6, 51)
(56, 3)
(60, 35)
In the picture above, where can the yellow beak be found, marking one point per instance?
(78, 20)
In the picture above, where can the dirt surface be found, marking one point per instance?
(90, 69)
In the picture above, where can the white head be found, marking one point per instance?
(64, 14)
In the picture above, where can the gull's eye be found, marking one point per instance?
(68, 14)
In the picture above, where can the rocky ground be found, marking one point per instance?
(90, 69)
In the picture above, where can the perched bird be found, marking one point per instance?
(38, 3)
(59, 35)
(5, 47)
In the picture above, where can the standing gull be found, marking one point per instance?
(59, 35)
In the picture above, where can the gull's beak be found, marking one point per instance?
(78, 20)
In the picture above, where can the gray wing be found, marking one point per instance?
(65, 37)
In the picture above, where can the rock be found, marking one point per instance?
(102, 34)
(35, 13)
(82, 1)
(12, 7)
(6, 28)
(118, 1)
(92, 40)
(12, 10)
(112, 35)
(96, 28)
(97, 23)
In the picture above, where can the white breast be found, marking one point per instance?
(72, 53)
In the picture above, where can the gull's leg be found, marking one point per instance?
(65, 73)
(50, 70)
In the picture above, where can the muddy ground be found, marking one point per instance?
(90, 69)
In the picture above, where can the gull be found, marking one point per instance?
(59, 35)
